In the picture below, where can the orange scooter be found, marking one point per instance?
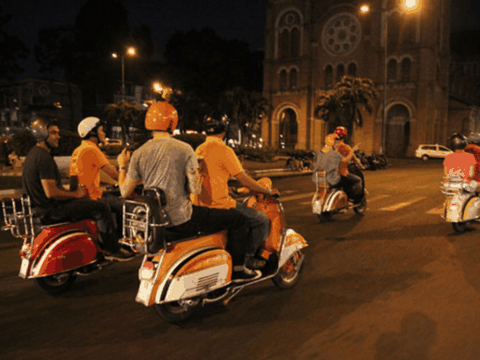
(177, 276)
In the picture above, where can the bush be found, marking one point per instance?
(264, 154)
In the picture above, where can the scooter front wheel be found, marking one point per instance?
(360, 209)
(289, 274)
(459, 227)
(176, 311)
(56, 284)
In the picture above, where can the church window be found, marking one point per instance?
(328, 76)
(283, 80)
(289, 34)
(340, 72)
(352, 69)
(293, 79)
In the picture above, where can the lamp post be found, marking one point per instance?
(130, 51)
(407, 6)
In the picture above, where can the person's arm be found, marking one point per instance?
(126, 187)
(250, 183)
(193, 180)
(111, 171)
(351, 154)
(52, 191)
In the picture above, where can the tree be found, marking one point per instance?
(246, 108)
(342, 105)
(13, 49)
(125, 115)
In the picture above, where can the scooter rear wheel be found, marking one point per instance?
(289, 274)
(459, 227)
(360, 209)
(56, 284)
(176, 311)
(324, 216)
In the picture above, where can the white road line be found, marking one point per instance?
(436, 210)
(402, 205)
(296, 197)
(378, 197)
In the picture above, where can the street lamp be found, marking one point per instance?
(407, 6)
(130, 51)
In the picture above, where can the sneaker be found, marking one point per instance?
(120, 255)
(245, 275)
(254, 263)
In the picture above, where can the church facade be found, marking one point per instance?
(311, 44)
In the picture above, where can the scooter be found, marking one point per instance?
(178, 275)
(462, 203)
(53, 255)
(329, 200)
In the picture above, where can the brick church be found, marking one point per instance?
(311, 44)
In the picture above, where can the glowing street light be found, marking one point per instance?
(130, 51)
(407, 6)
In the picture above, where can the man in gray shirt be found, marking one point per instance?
(172, 166)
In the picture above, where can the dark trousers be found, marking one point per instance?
(206, 220)
(81, 209)
(116, 207)
(353, 187)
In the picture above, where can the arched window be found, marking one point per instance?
(288, 31)
(340, 72)
(293, 79)
(328, 76)
(284, 44)
(283, 80)
(405, 70)
(392, 70)
(295, 43)
(352, 69)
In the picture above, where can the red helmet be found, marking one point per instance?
(161, 116)
(341, 132)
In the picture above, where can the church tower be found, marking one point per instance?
(311, 44)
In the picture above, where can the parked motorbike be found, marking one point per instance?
(329, 200)
(462, 203)
(54, 254)
(178, 275)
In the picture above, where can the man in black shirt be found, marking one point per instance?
(52, 203)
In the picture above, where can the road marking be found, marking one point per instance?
(377, 198)
(296, 197)
(402, 205)
(436, 210)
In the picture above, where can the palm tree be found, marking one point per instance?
(342, 104)
(125, 115)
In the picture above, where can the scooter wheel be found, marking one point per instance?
(56, 284)
(459, 227)
(325, 216)
(176, 311)
(360, 209)
(289, 274)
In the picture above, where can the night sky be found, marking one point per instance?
(231, 19)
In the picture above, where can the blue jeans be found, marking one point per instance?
(259, 228)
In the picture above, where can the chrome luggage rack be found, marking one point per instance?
(18, 217)
(452, 186)
(137, 224)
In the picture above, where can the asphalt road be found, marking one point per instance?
(396, 283)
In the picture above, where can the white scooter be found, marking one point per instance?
(462, 203)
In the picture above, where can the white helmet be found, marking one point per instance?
(87, 125)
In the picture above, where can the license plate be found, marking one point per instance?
(144, 292)
(24, 268)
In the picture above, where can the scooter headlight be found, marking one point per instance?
(147, 271)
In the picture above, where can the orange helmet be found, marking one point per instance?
(161, 116)
(330, 139)
(341, 131)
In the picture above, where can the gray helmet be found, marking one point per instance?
(39, 129)
(457, 142)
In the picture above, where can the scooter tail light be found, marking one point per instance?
(147, 271)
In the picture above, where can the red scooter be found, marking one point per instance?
(53, 255)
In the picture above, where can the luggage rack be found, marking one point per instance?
(453, 185)
(18, 217)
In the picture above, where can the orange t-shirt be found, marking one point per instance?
(218, 163)
(87, 161)
(344, 150)
(459, 163)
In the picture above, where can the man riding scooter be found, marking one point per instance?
(474, 149)
(460, 163)
(51, 202)
(87, 163)
(218, 164)
(171, 165)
